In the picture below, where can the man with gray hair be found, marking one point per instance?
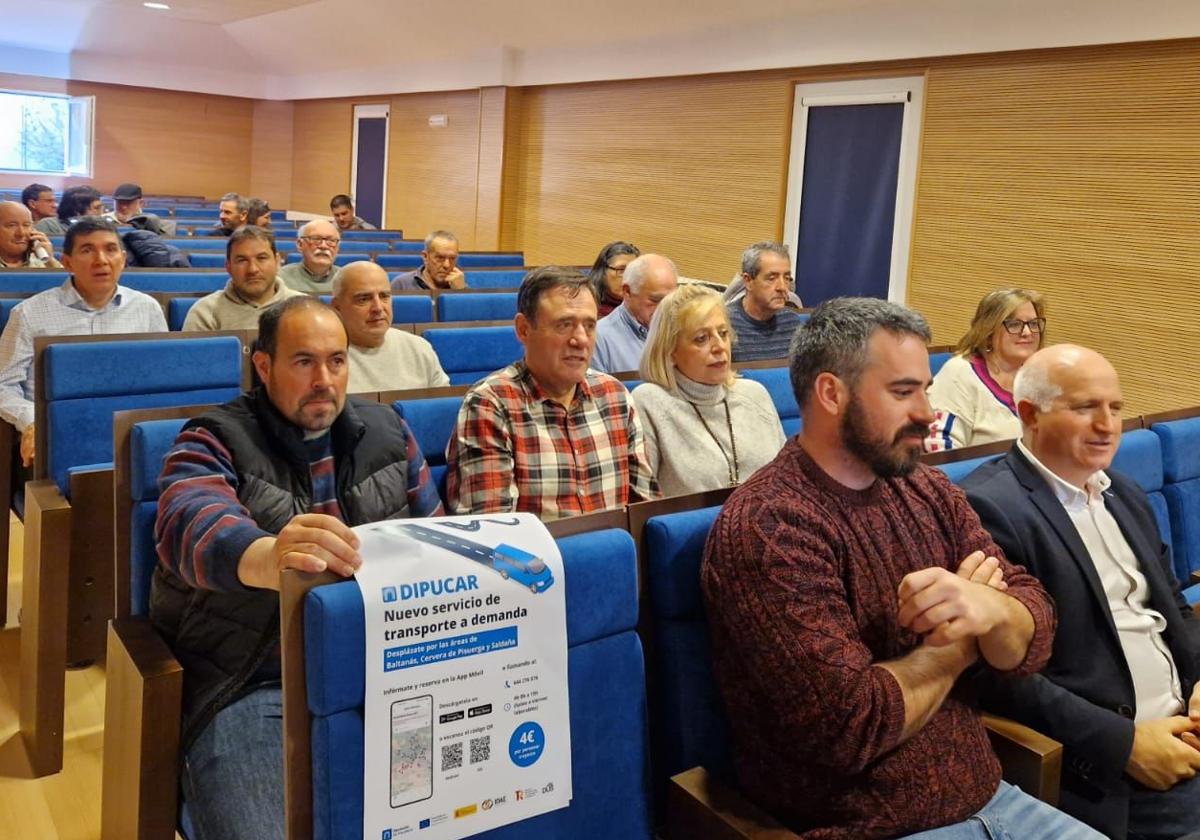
(440, 269)
(849, 587)
(231, 215)
(760, 318)
(621, 334)
(318, 241)
(1120, 691)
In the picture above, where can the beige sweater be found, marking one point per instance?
(403, 361)
(227, 310)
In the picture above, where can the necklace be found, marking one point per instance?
(732, 463)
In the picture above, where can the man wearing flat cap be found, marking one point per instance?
(128, 201)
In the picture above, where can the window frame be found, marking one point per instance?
(81, 167)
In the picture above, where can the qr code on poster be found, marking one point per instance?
(452, 756)
(481, 749)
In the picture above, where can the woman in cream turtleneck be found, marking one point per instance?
(704, 427)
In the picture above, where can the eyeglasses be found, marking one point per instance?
(319, 240)
(1015, 326)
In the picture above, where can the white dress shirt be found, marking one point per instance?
(1139, 627)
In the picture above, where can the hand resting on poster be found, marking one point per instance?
(310, 542)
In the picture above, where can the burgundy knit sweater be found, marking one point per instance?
(800, 578)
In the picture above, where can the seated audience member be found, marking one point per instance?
(253, 265)
(232, 213)
(381, 358)
(848, 586)
(760, 318)
(21, 245)
(546, 435)
(343, 214)
(972, 393)
(270, 481)
(705, 428)
(89, 302)
(1120, 691)
(128, 201)
(76, 202)
(318, 243)
(41, 203)
(440, 270)
(621, 335)
(607, 272)
(258, 213)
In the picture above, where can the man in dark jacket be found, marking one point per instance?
(270, 481)
(1120, 689)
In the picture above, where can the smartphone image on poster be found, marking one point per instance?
(412, 750)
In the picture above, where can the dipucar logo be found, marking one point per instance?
(389, 594)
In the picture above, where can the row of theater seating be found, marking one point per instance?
(686, 727)
(285, 240)
(215, 258)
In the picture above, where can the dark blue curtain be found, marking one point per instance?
(847, 209)
(368, 187)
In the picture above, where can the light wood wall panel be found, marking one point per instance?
(1076, 173)
(433, 172)
(166, 141)
(693, 168)
(271, 153)
(322, 135)
(493, 112)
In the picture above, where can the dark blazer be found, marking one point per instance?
(1084, 697)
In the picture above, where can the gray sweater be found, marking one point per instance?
(684, 456)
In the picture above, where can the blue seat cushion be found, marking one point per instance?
(406, 309)
(1183, 510)
(149, 442)
(27, 282)
(494, 279)
(175, 281)
(601, 591)
(674, 550)
(778, 384)
(403, 261)
(432, 422)
(468, 354)
(937, 360)
(149, 366)
(490, 260)
(1140, 457)
(177, 312)
(956, 471)
(608, 755)
(497, 306)
(1180, 448)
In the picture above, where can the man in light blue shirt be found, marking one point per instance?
(90, 302)
(621, 334)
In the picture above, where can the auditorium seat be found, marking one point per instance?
(340, 259)
(466, 261)
(778, 384)
(1180, 440)
(496, 306)
(432, 422)
(606, 679)
(1140, 457)
(937, 358)
(406, 309)
(468, 354)
(505, 279)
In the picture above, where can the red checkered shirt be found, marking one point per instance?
(515, 449)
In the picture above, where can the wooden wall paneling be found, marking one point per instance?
(322, 134)
(433, 171)
(271, 153)
(688, 167)
(167, 141)
(493, 111)
(1076, 173)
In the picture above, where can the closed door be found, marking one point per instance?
(370, 162)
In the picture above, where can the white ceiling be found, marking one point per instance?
(294, 49)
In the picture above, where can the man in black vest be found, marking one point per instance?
(270, 481)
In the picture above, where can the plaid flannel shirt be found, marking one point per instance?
(515, 449)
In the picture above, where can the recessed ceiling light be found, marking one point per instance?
(156, 5)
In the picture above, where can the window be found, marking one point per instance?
(46, 133)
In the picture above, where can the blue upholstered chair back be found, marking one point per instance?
(1140, 457)
(495, 306)
(508, 279)
(606, 682)
(149, 443)
(936, 360)
(690, 723)
(340, 259)
(958, 470)
(466, 261)
(404, 262)
(468, 354)
(406, 309)
(206, 259)
(26, 282)
(779, 385)
(177, 311)
(432, 422)
(86, 382)
(175, 281)
(1180, 441)
(408, 246)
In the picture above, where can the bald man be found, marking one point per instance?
(1120, 691)
(621, 334)
(318, 242)
(381, 358)
(21, 245)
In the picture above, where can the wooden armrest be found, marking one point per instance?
(1028, 758)
(90, 592)
(698, 805)
(143, 696)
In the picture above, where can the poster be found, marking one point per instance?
(466, 723)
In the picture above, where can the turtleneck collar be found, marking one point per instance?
(698, 392)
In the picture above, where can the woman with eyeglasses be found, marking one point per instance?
(705, 428)
(972, 394)
(607, 271)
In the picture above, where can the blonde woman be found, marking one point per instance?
(972, 393)
(705, 428)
